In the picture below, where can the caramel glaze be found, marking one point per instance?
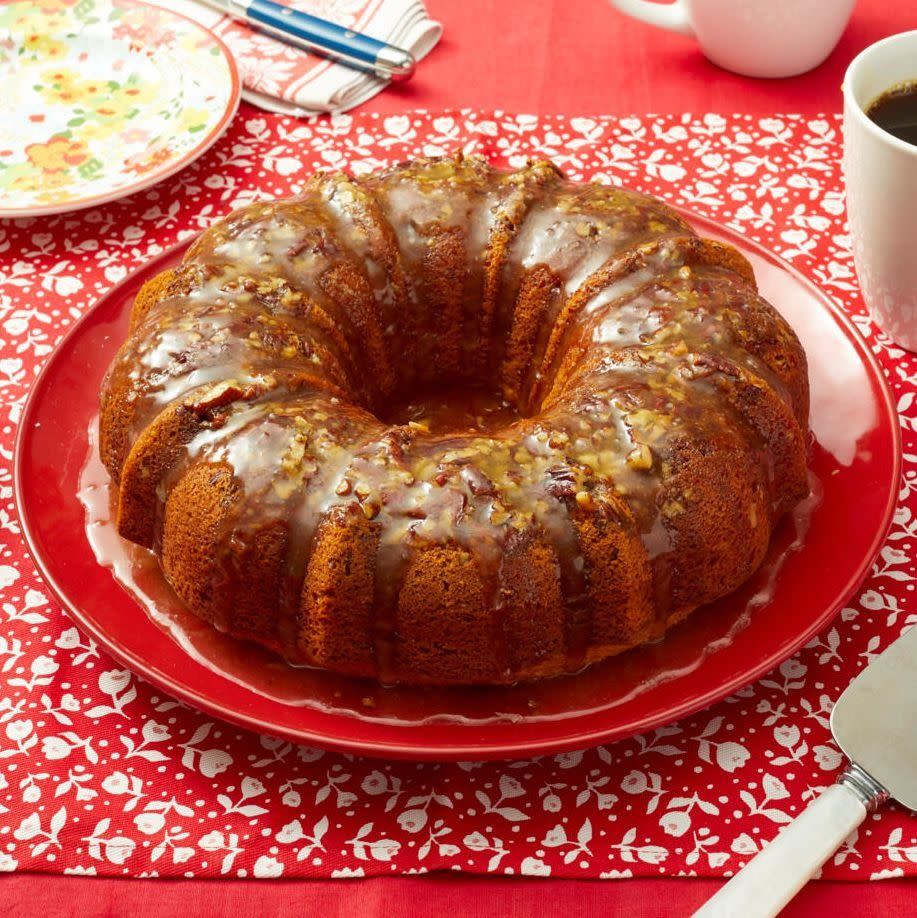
(592, 422)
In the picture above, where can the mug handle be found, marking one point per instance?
(671, 16)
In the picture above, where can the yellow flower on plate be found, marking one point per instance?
(59, 154)
(61, 76)
(115, 107)
(21, 17)
(140, 92)
(55, 196)
(191, 118)
(100, 129)
(32, 21)
(42, 46)
(38, 181)
(192, 42)
(26, 181)
(91, 90)
(64, 86)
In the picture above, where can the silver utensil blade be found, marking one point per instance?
(875, 720)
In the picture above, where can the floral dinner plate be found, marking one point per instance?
(102, 98)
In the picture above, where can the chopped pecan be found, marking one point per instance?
(221, 394)
(561, 482)
(717, 364)
(478, 483)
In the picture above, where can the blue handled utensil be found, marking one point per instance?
(320, 37)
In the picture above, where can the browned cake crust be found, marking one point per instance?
(658, 435)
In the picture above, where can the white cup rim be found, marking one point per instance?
(859, 113)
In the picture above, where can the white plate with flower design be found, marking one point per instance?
(103, 98)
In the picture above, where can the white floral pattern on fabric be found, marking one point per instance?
(101, 774)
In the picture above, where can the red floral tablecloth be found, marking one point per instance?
(100, 773)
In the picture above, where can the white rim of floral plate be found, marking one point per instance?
(220, 101)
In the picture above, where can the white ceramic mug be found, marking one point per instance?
(759, 38)
(881, 176)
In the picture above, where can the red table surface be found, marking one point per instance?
(437, 895)
(567, 56)
(584, 57)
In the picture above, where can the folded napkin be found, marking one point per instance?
(284, 79)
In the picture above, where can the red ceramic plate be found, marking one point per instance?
(818, 558)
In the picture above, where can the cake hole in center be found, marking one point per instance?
(453, 409)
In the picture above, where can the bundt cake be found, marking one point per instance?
(448, 424)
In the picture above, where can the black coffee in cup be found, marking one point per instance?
(895, 111)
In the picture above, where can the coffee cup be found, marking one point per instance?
(758, 38)
(881, 176)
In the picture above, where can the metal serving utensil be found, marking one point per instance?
(875, 724)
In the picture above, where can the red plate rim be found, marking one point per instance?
(462, 748)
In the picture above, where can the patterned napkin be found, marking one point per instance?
(102, 773)
(280, 78)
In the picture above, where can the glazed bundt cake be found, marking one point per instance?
(448, 424)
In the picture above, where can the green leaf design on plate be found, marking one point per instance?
(84, 8)
(90, 169)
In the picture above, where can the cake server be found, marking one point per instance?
(875, 724)
(354, 49)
